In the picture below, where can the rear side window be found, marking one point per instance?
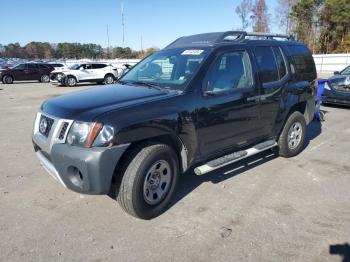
(43, 67)
(98, 66)
(265, 59)
(282, 71)
(32, 66)
(303, 63)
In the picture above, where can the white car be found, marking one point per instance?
(88, 72)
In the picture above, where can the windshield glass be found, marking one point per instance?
(168, 68)
(74, 67)
(346, 71)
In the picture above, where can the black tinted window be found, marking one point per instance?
(32, 66)
(267, 65)
(98, 66)
(302, 62)
(21, 66)
(231, 71)
(43, 67)
(280, 62)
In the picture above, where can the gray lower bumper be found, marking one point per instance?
(87, 171)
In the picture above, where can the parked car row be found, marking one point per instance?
(101, 73)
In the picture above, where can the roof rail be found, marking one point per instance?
(240, 35)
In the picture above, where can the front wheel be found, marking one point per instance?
(71, 81)
(7, 79)
(149, 180)
(292, 138)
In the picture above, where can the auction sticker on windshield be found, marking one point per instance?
(192, 52)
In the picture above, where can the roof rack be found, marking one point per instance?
(211, 39)
(240, 35)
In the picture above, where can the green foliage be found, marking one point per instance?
(40, 50)
(335, 23)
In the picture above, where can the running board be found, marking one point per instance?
(234, 157)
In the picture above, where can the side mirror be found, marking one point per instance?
(81, 68)
(336, 73)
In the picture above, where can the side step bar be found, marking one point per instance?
(234, 157)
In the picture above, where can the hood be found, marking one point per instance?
(88, 104)
(337, 78)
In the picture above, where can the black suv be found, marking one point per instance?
(205, 101)
(27, 71)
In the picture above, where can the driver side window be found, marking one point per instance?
(230, 71)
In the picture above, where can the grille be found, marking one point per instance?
(63, 130)
(341, 88)
(50, 122)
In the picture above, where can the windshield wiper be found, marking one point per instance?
(152, 85)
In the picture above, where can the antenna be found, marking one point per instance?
(123, 24)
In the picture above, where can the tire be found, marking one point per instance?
(109, 79)
(45, 79)
(292, 138)
(70, 81)
(7, 79)
(149, 179)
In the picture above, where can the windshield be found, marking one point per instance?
(346, 71)
(168, 68)
(74, 67)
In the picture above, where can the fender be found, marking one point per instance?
(297, 96)
(167, 122)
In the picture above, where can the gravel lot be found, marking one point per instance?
(262, 209)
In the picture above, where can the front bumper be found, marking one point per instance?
(82, 170)
(334, 97)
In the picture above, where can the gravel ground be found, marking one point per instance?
(262, 209)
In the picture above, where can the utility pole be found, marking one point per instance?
(108, 42)
(123, 23)
(141, 46)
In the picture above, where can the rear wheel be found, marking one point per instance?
(292, 138)
(71, 81)
(45, 79)
(7, 79)
(149, 180)
(109, 79)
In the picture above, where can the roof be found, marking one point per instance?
(213, 39)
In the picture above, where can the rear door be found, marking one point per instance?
(273, 77)
(98, 71)
(32, 72)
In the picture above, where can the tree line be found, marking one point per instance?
(44, 50)
(324, 25)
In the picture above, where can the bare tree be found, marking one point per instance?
(243, 11)
(260, 17)
(282, 15)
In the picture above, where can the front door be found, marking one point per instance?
(19, 72)
(229, 112)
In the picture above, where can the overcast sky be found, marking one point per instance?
(158, 21)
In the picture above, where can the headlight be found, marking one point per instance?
(105, 137)
(59, 76)
(347, 81)
(90, 134)
(326, 86)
